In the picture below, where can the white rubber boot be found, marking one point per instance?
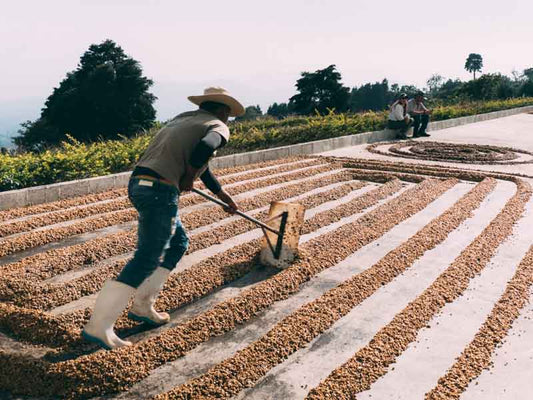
(112, 300)
(143, 305)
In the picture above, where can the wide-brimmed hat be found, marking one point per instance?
(219, 95)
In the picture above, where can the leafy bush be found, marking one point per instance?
(72, 160)
(76, 160)
(270, 132)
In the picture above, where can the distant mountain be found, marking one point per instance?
(13, 113)
(8, 129)
(5, 140)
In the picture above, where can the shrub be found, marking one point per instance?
(76, 160)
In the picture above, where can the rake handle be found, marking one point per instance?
(246, 216)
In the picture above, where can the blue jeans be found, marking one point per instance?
(420, 124)
(158, 218)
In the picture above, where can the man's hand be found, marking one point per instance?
(187, 180)
(226, 198)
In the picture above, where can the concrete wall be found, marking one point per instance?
(63, 190)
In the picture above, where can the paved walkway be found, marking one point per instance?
(515, 131)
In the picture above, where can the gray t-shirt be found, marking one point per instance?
(415, 108)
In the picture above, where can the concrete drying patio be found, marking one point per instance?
(414, 282)
(514, 131)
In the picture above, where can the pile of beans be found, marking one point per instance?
(74, 370)
(452, 152)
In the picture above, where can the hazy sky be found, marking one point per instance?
(254, 49)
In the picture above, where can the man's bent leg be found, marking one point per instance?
(156, 205)
(425, 122)
(416, 125)
(155, 227)
(143, 305)
(177, 247)
(154, 230)
(153, 233)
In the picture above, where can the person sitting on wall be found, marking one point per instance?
(420, 113)
(398, 117)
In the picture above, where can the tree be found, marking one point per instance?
(528, 73)
(280, 110)
(250, 112)
(105, 96)
(396, 90)
(488, 87)
(409, 90)
(371, 96)
(434, 83)
(474, 63)
(526, 88)
(450, 89)
(320, 91)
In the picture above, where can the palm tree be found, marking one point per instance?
(474, 63)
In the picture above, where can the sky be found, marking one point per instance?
(255, 49)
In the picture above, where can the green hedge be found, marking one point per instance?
(266, 133)
(73, 160)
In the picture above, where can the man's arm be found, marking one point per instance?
(212, 183)
(205, 148)
(199, 157)
(412, 108)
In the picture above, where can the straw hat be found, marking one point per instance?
(219, 95)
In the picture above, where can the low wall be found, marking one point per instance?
(63, 190)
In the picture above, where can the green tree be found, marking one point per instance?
(396, 90)
(449, 89)
(251, 112)
(528, 73)
(106, 96)
(320, 91)
(488, 87)
(434, 83)
(280, 110)
(409, 90)
(371, 96)
(474, 63)
(527, 87)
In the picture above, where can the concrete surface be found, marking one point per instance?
(441, 342)
(511, 375)
(425, 360)
(293, 379)
(513, 131)
(216, 350)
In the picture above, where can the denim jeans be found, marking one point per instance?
(420, 124)
(402, 125)
(159, 231)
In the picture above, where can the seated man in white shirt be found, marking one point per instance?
(420, 113)
(398, 117)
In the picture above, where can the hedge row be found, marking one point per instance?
(73, 160)
(266, 133)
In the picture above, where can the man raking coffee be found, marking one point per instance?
(176, 157)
